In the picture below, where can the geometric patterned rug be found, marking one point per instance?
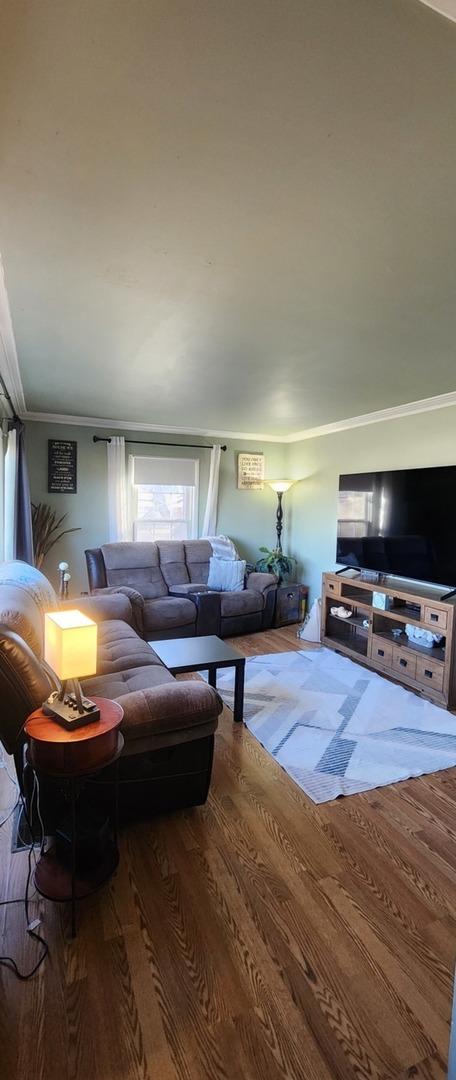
(337, 728)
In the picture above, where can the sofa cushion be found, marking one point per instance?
(168, 707)
(148, 590)
(120, 648)
(172, 562)
(117, 683)
(168, 612)
(136, 564)
(240, 603)
(197, 555)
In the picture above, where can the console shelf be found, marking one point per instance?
(383, 645)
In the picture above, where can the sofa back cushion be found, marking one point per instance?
(136, 564)
(25, 596)
(197, 556)
(172, 562)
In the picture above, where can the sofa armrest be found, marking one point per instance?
(208, 608)
(100, 608)
(168, 707)
(136, 600)
(96, 570)
(261, 582)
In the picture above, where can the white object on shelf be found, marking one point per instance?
(379, 600)
(420, 636)
(341, 612)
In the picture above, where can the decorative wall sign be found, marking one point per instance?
(251, 472)
(62, 466)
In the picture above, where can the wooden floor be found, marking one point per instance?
(256, 938)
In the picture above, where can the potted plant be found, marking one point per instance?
(46, 526)
(275, 562)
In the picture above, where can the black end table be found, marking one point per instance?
(181, 655)
(75, 758)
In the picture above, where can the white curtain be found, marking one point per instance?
(8, 492)
(9, 497)
(118, 517)
(210, 513)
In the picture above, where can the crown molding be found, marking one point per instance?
(136, 425)
(9, 365)
(440, 401)
(447, 8)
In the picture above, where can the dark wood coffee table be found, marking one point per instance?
(181, 655)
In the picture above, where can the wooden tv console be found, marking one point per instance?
(383, 644)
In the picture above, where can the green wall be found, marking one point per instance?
(247, 516)
(419, 440)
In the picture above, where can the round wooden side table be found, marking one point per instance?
(75, 757)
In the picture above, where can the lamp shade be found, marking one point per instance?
(70, 644)
(280, 485)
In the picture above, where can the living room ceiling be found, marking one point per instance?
(235, 217)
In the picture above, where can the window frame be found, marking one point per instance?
(193, 522)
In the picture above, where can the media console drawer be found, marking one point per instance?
(333, 587)
(403, 662)
(381, 651)
(435, 617)
(429, 673)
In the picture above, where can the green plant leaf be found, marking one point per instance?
(45, 527)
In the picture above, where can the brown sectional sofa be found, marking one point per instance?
(168, 725)
(168, 588)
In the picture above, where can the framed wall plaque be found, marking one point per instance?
(251, 472)
(62, 466)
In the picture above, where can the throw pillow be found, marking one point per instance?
(226, 575)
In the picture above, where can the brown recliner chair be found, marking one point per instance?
(168, 725)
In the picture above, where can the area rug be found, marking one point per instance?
(337, 728)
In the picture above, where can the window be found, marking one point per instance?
(165, 498)
(355, 513)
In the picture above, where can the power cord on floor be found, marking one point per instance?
(8, 961)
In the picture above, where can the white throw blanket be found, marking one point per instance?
(223, 547)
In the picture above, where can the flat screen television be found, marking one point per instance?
(401, 522)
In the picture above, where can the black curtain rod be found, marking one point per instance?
(142, 442)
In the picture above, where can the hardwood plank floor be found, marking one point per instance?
(260, 937)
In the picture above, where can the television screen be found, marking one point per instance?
(400, 522)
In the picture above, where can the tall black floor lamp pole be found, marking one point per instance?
(279, 519)
(279, 486)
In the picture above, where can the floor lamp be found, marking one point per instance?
(280, 487)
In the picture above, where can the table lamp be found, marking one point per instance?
(280, 487)
(70, 649)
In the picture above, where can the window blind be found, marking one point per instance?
(166, 471)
